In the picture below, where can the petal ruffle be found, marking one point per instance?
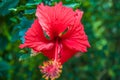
(35, 39)
(75, 38)
(56, 19)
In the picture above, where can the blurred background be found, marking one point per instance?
(101, 20)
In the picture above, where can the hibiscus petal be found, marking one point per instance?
(35, 39)
(75, 38)
(54, 20)
(65, 53)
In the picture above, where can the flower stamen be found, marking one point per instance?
(51, 69)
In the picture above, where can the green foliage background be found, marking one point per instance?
(101, 20)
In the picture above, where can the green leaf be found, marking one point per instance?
(5, 5)
(38, 1)
(4, 65)
(111, 72)
(3, 42)
(26, 7)
(72, 5)
(24, 57)
(23, 26)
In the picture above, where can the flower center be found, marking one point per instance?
(51, 69)
(57, 39)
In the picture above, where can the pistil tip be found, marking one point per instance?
(51, 69)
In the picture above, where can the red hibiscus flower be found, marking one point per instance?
(58, 34)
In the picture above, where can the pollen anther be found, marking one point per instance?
(51, 69)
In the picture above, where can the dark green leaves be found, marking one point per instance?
(24, 57)
(4, 65)
(5, 5)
